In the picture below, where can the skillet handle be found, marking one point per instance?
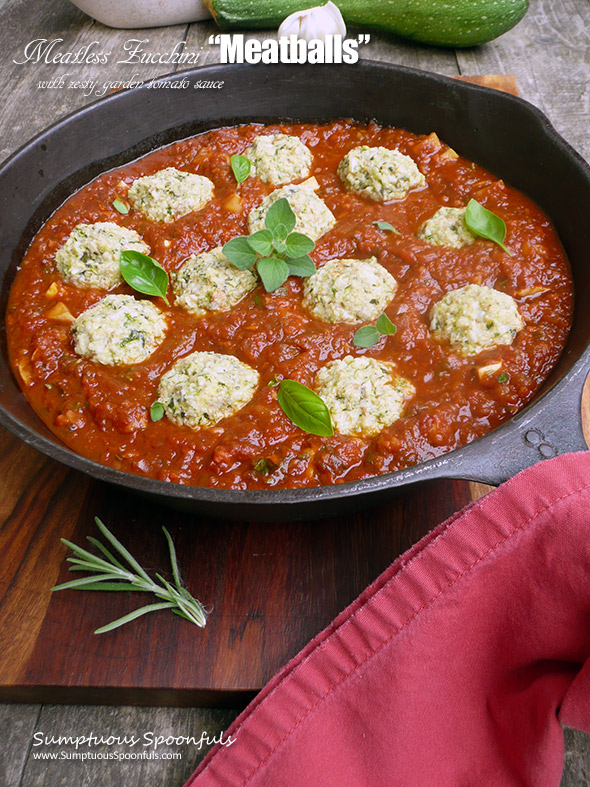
(548, 430)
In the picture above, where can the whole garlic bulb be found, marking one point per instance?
(314, 23)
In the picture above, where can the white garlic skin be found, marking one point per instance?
(314, 23)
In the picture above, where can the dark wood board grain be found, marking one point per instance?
(271, 586)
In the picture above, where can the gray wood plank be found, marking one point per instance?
(17, 723)
(549, 52)
(28, 108)
(197, 39)
(391, 49)
(576, 767)
(56, 721)
(381, 47)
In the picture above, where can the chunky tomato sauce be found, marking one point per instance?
(102, 412)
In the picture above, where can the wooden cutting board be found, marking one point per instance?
(271, 586)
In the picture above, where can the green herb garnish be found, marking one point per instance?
(385, 326)
(109, 573)
(385, 225)
(157, 411)
(366, 336)
(503, 378)
(275, 381)
(240, 253)
(369, 335)
(273, 271)
(302, 266)
(120, 206)
(144, 274)
(240, 166)
(265, 466)
(277, 251)
(298, 245)
(305, 408)
(486, 224)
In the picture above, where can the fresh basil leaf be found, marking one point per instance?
(486, 224)
(120, 206)
(275, 381)
(298, 245)
(240, 253)
(273, 272)
(280, 213)
(143, 273)
(385, 225)
(366, 336)
(385, 326)
(302, 266)
(261, 242)
(305, 408)
(156, 411)
(240, 166)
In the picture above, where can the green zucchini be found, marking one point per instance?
(455, 23)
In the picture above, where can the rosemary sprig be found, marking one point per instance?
(109, 573)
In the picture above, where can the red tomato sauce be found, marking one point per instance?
(102, 412)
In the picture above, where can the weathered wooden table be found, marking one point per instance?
(548, 52)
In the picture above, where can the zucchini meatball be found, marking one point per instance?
(313, 216)
(90, 256)
(379, 173)
(279, 158)
(475, 318)
(349, 290)
(208, 282)
(363, 395)
(204, 387)
(169, 194)
(119, 330)
(447, 227)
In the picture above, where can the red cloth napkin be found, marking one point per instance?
(453, 669)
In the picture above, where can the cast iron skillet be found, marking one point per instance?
(504, 134)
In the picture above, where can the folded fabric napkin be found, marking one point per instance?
(453, 669)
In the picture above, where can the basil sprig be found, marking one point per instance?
(369, 335)
(276, 251)
(240, 166)
(486, 224)
(144, 274)
(385, 225)
(305, 408)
